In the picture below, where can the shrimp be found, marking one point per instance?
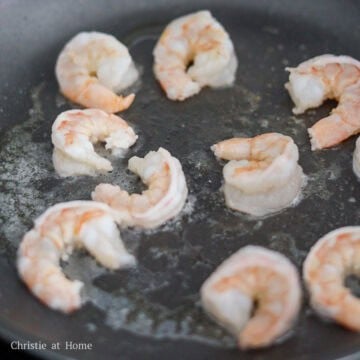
(164, 198)
(200, 40)
(92, 68)
(56, 233)
(255, 281)
(328, 77)
(356, 158)
(263, 174)
(335, 256)
(73, 135)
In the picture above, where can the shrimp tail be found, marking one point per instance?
(330, 131)
(125, 102)
(96, 95)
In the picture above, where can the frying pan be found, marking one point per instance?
(153, 311)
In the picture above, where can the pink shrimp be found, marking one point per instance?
(328, 77)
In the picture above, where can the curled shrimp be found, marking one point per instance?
(92, 68)
(254, 275)
(356, 158)
(263, 174)
(164, 198)
(56, 233)
(199, 39)
(335, 256)
(328, 77)
(75, 131)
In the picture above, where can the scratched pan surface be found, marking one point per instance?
(153, 311)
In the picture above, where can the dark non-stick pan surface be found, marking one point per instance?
(153, 311)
